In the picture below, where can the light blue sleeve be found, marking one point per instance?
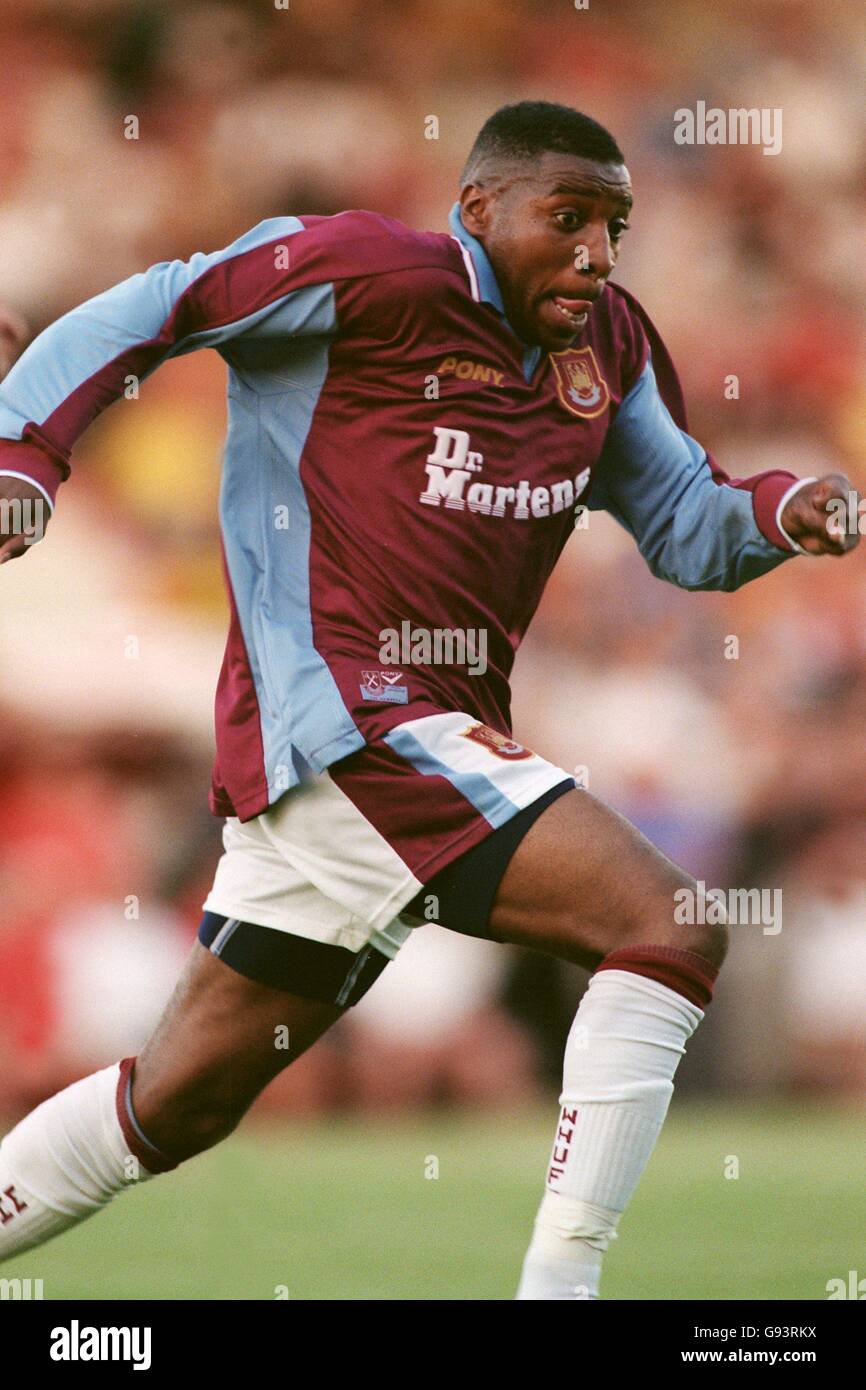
(657, 482)
(83, 361)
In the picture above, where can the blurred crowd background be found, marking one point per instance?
(746, 761)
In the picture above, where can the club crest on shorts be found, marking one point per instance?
(579, 382)
(497, 743)
(381, 686)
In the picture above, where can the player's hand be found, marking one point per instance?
(822, 529)
(24, 515)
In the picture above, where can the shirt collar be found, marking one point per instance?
(488, 291)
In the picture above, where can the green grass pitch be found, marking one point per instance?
(343, 1209)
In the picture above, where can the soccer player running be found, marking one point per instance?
(427, 411)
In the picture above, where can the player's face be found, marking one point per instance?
(552, 232)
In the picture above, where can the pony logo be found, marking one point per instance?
(381, 687)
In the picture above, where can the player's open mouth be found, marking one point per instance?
(573, 311)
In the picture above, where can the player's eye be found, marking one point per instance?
(617, 227)
(568, 219)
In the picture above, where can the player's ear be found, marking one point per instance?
(475, 208)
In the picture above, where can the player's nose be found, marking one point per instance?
(594, 253)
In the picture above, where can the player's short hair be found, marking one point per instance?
(531, 128)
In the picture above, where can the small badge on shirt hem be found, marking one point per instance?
(382, 687)
(496, 743)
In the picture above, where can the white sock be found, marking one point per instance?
(63, 1162)
(623, 1049)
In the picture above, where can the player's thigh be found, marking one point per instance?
(583, 882)
(221, 1039)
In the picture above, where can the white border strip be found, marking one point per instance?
(470, 269)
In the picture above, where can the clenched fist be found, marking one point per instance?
(24, 515)
(815, 525)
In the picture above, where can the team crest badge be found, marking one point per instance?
(382, 687)
(497, 743)
(581, 386)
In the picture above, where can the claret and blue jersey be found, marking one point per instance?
(428, 465)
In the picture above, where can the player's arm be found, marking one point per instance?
(271, 281)
(696, 527)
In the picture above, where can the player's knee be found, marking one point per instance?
(186, 1123)
(666, 910)
(709, 941)
(201, 1128)
(682, 921)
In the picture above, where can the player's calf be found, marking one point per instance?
(585, 885)
(221, 1040)
(212, 1053)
